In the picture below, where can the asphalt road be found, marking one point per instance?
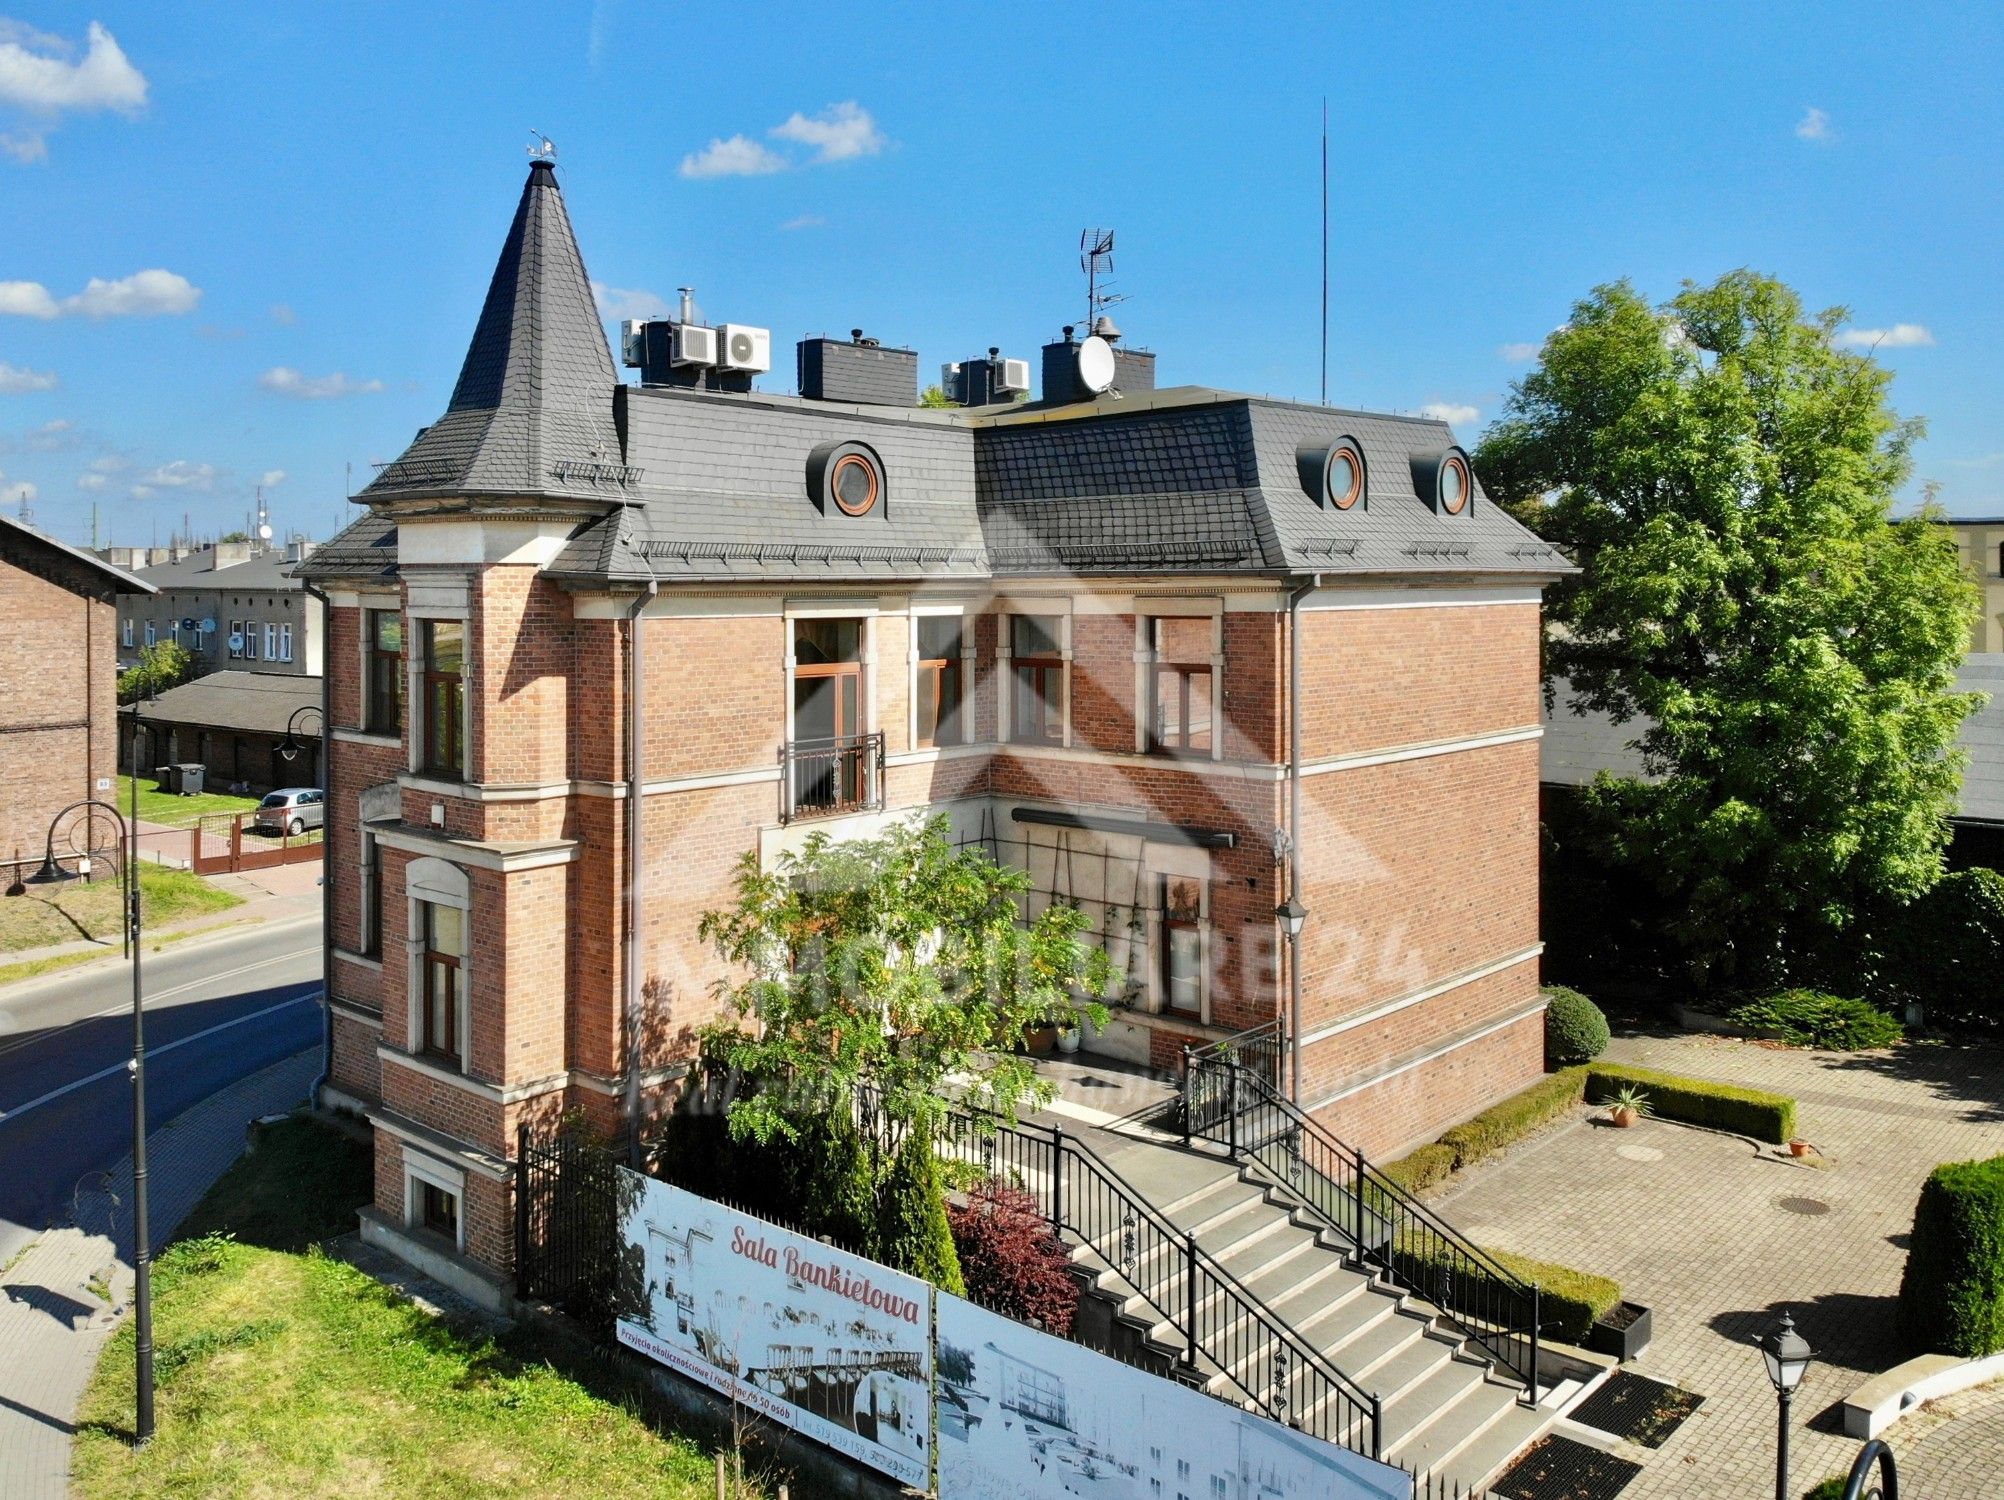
(217, 1009)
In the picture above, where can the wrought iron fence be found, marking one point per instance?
(1225, 1330)
(1389, 1229)
(567, 1233)
(823, 776)
(1211, 1104)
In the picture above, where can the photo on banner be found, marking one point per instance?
(832, 1345)
(1024, 1415)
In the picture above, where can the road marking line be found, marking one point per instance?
(124, 1008)
(119, 1067)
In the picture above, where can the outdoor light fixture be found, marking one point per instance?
(291, 748)
(1787, 1356)
(51, 873)
(1292, 916)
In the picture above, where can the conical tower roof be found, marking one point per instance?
(531, 416)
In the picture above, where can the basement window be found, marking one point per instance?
(438, 1210)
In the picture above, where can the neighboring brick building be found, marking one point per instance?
(235, 605)
(58, 687)
(1063, 625)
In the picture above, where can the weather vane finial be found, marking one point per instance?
(541, 147)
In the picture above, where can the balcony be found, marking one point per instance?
(821, 778)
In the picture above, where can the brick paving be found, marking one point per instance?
(53, 1324)
(1953, 1449)
(1719, 1235)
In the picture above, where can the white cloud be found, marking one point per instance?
(182, 475)
(621, 302)
(740, 156)
(1899, 336)
(1452, 413)
(18, 492)
(91, 482)
(15, 381)
(28, 146)
(144, 294)
(1815, 126)
(283, 380)
(804, 221)
(36, 72)
(1516, 354)
(283, 315)
(840, 132)
(1981, 461)
(271, 478)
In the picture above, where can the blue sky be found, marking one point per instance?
(322, 191)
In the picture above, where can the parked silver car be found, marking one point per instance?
(291, 809)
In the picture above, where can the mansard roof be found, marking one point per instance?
(531, 414)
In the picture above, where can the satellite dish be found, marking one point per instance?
(264, 533)
(209, 625)
(1096, 366)
(236, 640)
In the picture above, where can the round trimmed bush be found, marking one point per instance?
(1575, 1030)
(1952, 1293)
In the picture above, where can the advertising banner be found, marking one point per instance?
(836, 1346)
(1024, 1415)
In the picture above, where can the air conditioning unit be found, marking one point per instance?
(1011, 376)
(742, 347)
(633, 342)
(949, 381)
(695, 344)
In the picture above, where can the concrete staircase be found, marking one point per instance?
(1447, 1411)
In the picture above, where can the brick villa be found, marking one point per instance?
(1070, 625)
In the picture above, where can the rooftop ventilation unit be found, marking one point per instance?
(633, 343)
(695, 345)
(1011, 376)
(744, 348)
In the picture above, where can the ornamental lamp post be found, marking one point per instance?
(1293, 916)
(1787, 1356)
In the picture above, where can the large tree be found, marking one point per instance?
(1722, 471)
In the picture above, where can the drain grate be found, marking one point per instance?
(1810, 1206)
(1635, 1407)
(1557, 1468)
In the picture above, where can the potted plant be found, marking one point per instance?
(1627, 1106)
(1622, 1331)
(1799, 1147)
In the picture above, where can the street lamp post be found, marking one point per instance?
(1293, 916)
(1787, 1356)
(51, 872)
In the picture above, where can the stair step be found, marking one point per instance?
(1306, 1273)
(1252, 1239)
(1216, 1194)
(1494, 1448)
(1438, 1444)
(1429, 1400)
(1392, 1357)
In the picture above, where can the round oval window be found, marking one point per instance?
(853, 484)
(1453, 486)
(1346, 479)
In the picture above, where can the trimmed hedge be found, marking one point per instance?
(1575, 1030)
(1952, 1293)
(1516, 1117)
(1427, 1167)
(1810, 1018)
(1569, 1301)
(1696, 1101)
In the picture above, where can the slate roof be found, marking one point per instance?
(198, 570)
(365, 549)
(258, 702)
(531, 415)
(1577, 747)
(18, 534)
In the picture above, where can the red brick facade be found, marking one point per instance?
(1418, 840)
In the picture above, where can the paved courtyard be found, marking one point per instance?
(1719, 1236)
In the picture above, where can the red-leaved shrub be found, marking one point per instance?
(1010, 1259)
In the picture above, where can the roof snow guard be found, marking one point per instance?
(531, 416)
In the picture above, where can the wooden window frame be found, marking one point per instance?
(430, 1196)
(1024, 685)
(1183, 671)
(432, 957)
(929, 684)
(1194, 925)
(452, 761)
(377, 662)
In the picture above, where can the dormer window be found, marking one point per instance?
(845, 479)
(1454, 485)
(1333, 473)
(1443, 479)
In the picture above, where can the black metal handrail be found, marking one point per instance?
(1219, 1320)
(1490, 1305)
(838, 774)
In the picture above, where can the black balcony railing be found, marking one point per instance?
(826, 776)
(1233, 1103)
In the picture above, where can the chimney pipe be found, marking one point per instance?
(687, 314)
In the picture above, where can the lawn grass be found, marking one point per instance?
(35, 967)
(282, 1373)
(156, 806)
(43, 915)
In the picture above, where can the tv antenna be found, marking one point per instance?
(541, 147)
(1096, 260)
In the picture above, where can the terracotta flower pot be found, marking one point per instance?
(1624, 1117)
(1799, 1148)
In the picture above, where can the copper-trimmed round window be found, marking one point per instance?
(1455, 485)
(854, 484)
(1343, 477)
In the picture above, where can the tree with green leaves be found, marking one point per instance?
(900, 962)
(1722, 472)
(162, 665)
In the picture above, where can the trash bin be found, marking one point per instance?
(188, 777)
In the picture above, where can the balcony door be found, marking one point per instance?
(827, 712)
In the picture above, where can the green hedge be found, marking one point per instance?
(1569, 1301)
(1946, 949)
(1810, 1018)
(1575, 1030)
(1952, 1294)
(1516, 1117)
(1427, 1167)
(1724, 1106)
